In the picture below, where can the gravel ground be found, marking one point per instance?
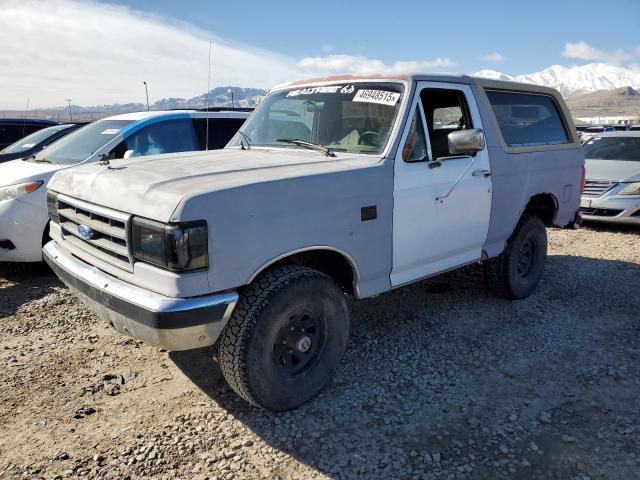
(440, 381)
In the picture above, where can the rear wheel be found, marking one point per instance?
(516, 272)
(285, 338)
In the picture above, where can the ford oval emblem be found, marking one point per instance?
(85, 232)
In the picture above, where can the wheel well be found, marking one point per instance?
(544, 205)
(330, 262)
(45, 235)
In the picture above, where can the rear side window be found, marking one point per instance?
(527, 119)
(9, 134)
(221, 130)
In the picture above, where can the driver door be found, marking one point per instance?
(442, 202)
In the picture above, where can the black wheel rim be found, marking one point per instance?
(526, 257)
(298, 342)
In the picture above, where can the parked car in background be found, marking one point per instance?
(347, 184)
(23, 205)
(634, 128)
(612, 190)
(616, 128)
(13, 129)
(590, 132)
(32, 144)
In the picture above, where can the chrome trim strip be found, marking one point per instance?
(105, 212)
(130, 293)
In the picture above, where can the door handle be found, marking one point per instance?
(482, 173)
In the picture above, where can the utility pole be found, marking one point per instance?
(69, 102)
(233, 105)
(146, 91)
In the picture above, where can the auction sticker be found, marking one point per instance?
(110, 131)
(377, 96)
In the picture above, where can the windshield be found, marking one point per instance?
(32, 140)
(346, 117)
(81, 144)
(613, 148)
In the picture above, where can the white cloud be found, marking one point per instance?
(493, 57)
(362, 64)
(584, 51)
(99, 53)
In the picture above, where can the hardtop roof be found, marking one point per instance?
(426, 77)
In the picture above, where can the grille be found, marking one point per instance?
(109, 230)
(601, 212)
(595, 188)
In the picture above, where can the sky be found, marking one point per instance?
(98, 52)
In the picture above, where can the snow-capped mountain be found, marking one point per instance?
(575, 80)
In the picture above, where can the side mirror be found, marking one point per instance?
(466, 141)
(128, 154)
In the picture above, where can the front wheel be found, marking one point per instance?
(515, 273)
(285, 338)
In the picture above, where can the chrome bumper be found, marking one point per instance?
(170, 323)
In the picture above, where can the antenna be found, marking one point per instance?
(206, 136)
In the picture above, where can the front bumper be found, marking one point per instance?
(22, 224)
(170, 323)
(611, 209)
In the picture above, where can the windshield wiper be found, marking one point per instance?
(29, 157)
(247, 139)
(41, 160)
(309, 145)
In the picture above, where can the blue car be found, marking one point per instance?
(23, 203)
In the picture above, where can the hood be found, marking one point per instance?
(19, 171)
(616, 170)
(153, 186)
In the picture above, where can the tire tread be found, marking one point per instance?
(232, 349)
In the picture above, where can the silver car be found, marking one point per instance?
(612, 188)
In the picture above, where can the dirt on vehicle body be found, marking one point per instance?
(345, 185)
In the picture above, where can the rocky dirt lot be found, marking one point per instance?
(440, 381)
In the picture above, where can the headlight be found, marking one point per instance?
(52, 206)
(631, 189)
(19, 189)
(178, 246)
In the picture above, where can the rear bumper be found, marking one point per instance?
(170, 323)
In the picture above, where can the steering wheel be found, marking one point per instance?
(371, 133)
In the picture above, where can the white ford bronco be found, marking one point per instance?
(335, 186)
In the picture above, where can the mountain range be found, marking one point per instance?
(572, 82)
(576, 80)
(218, 97)
(623, 101)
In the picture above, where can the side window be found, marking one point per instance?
(221, 130)
(167, 136)
(8, 135)
(224, 130)
(527, 119)
(446, 111)
(415, 147)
